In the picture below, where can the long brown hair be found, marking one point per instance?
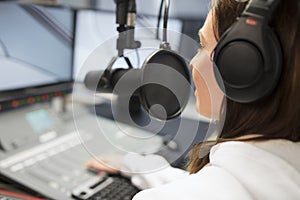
(278, 115)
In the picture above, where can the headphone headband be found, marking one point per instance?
(260, 8)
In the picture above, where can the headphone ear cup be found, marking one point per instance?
(240, 65)
(248, 66)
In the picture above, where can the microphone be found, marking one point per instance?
(162, 85)
(162, 82)
(104, 81)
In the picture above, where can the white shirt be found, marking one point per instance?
(237, 170)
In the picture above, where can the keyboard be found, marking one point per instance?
(110, 188)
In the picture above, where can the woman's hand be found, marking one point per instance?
(109, 163)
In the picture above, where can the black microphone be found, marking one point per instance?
(105, 81)
(163, 80)
(162, 85)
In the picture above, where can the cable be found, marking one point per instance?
(159, 18)
(166, 16)
(127, 62)
(138, 57)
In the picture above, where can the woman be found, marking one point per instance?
(257, 154)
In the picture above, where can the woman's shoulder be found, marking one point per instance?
(280, 150)
(210, 183)
(237, 170)
(269, 169)
(278, 156)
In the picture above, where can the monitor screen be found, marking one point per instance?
(35, 46)
(96, 28)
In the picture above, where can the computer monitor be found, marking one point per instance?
(36, 55)
(95, 28)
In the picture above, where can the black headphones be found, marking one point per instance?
(248, 56)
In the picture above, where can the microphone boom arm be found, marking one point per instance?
(125, 18)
